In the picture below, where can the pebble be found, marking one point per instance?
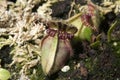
(65, 68)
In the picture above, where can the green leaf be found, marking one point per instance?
(95, 45)
(48, 52)
(75, 21)
(64, 52)
(4, 74)
(115, 24)
(85, 33)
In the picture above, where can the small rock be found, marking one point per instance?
(65, 68)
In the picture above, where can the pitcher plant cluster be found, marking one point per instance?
(56, 45)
